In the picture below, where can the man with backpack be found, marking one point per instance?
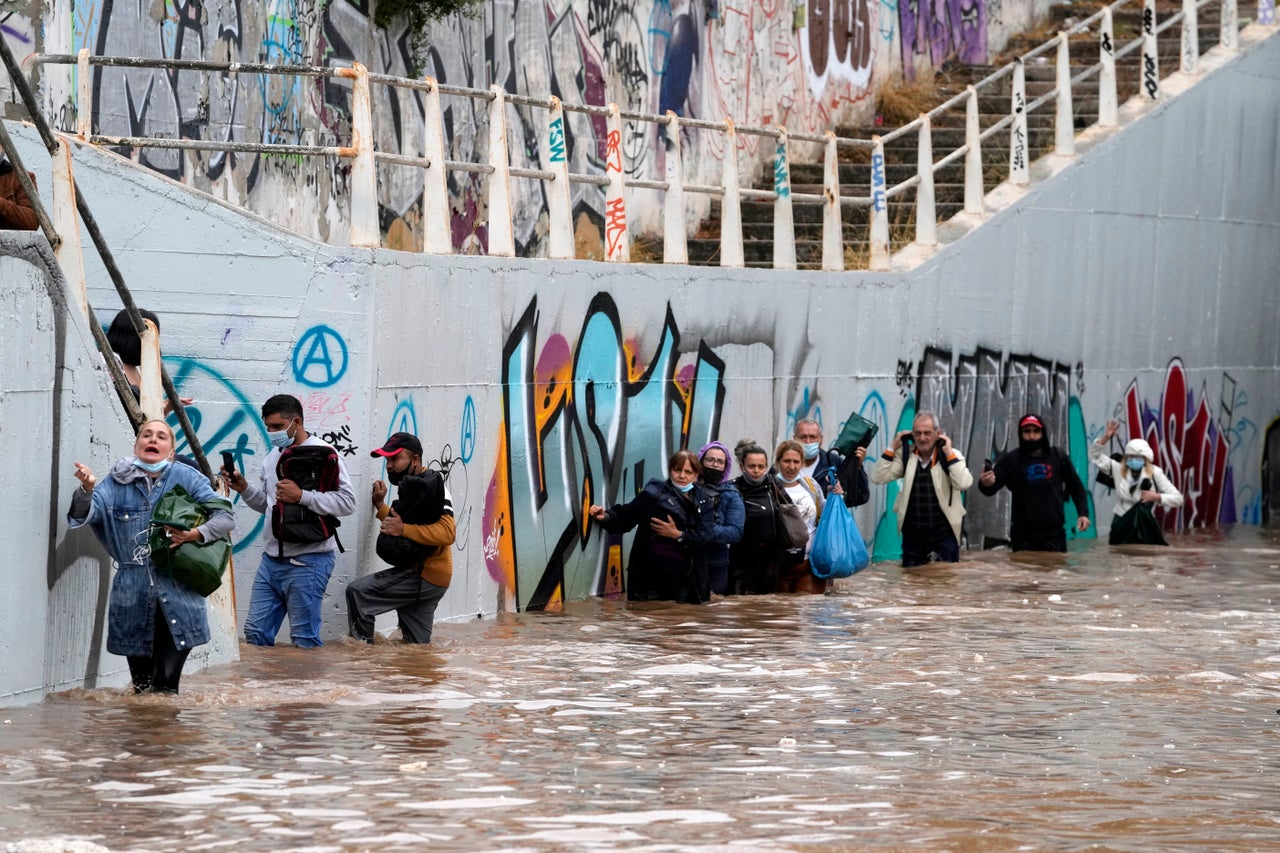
(416, 537)
(1040, 477)
(304, 489)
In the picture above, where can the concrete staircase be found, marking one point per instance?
(948, 134)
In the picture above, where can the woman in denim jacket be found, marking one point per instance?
(152, 620)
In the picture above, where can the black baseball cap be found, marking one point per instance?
(396, 442)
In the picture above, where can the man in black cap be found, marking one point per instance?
(1040, 476)
(415, 537)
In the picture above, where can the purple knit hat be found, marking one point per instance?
(728, 457)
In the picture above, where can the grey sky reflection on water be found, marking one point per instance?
(1123, 699)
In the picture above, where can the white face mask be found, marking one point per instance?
(151, 467)
(282, 438)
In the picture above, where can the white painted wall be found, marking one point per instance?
(1148, 262)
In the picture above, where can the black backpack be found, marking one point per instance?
(420, 500)
(314, 468)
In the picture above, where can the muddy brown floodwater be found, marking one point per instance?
(1105, 700)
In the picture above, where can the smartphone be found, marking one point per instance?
(988, 465)
(228, 462)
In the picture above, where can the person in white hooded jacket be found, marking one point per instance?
(1137, 478)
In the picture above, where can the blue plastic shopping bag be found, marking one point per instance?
(838, 550)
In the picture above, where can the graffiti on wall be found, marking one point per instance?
(585, 422)
(978, 399)
(1190, 442)
(752, 61)
(941, 30)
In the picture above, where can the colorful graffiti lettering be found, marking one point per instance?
(584, 424)
(942, 29)
(1190, 446)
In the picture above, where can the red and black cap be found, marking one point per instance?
(1031, 420)
(396, 442)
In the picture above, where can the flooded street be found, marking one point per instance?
(1105, 700)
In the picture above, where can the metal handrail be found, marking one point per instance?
(108, 262)
(615, 182)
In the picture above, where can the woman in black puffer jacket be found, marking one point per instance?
(673, 520)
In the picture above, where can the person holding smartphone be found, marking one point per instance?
(930, 504)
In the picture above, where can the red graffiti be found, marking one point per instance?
(615, 226)
(613, 154)
(1187, 444)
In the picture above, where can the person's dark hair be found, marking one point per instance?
(124, 338)
(682, 456)
(750, 450)
(282, 404)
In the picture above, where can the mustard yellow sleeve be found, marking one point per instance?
(441, 532)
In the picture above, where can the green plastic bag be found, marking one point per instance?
(857, 432)
(198, 566)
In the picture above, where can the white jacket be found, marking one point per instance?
(1128, 485)
(946, 485)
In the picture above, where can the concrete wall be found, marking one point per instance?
(1138, 283)
(56, 409)
(702, 58)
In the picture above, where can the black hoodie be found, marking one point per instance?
(1041, 477)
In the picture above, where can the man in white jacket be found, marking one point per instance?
(930, 505)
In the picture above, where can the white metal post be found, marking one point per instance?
(151, 387)
(784, 227)
(501, 236)
(675, 246)
(555, 154)
(1229, 37)
(1064, 136)
(1190, 38)
(84, 96)
(974, 188)
(1150, 52)
(66, 222)
(364, 173)
(1019, 165)
(437, 221)
(878, 250)
(617, 241)
(832, 223)
(731, 251)
(1107, 104)
(926, 206)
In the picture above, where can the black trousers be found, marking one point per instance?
(160, 672)
(1039, 542)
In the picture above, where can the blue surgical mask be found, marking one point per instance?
(280, 439)
(790, 482)
(811, 450)
(1135, 463)
(151, 467)
(684, 488)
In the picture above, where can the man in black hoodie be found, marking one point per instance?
(1040, 477)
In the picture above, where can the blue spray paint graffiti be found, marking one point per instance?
(241, 432)
(320, 358)
(467, 440)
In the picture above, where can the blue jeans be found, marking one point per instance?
(294, 585)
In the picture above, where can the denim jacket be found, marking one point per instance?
(119, 514)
